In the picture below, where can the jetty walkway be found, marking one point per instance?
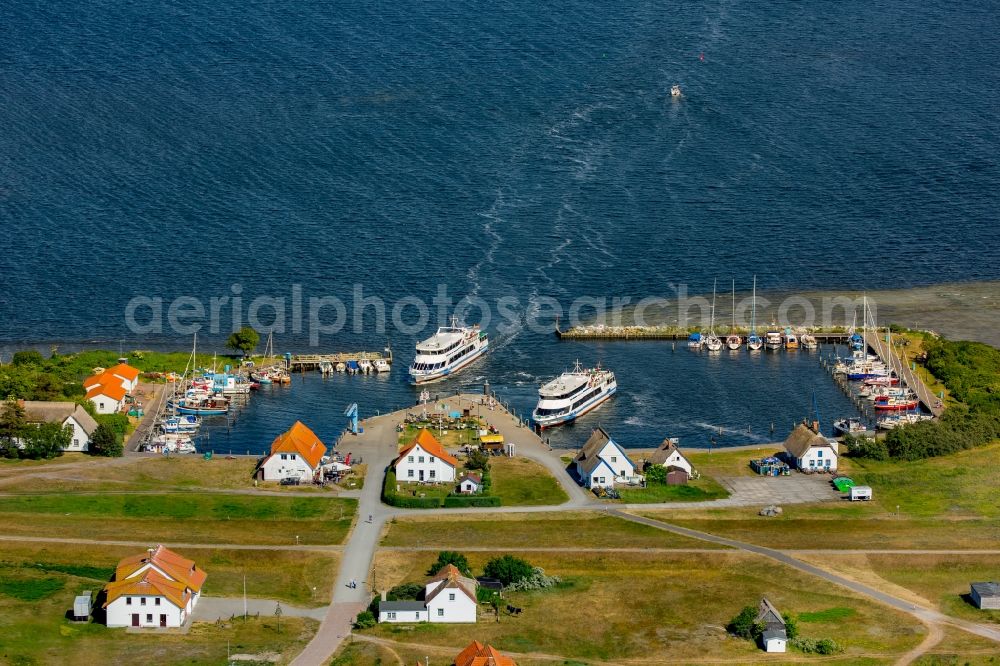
(931, 402)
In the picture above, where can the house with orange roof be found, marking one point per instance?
(158, 588)
(107, 398)
(448, 597)
(425, 460)
(297, 453)
(477, 654)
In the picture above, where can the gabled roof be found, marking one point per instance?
(177, 567)
(588, 467)
(589, 455)
(301, 440)
(803, 438)
(665, 450)
(772, 634)
(766, 612)
(477, 654)
(124, 371)
(428, 443)
(987, 589)
(37, 411)
(149, 583)
(450, 578)
(469, 476)
(401, 606)
(113, 390)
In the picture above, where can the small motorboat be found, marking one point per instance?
(675, 91)
(353, 368)
(695, 341)
(772, 340)
(808, 341)
(365, 366)
(849, 427)
(382, 365)
(791, 340)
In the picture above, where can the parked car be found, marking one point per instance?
(289, 481)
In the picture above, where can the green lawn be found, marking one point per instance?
(524, 482)
(617, 607)
(696, 490)
(725, 462)
(585, 529)
(183, 517)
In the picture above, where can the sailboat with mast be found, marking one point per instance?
(712, 342)
(733, 340)
(754, 343)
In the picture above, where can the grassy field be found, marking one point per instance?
(959, 648)
(285, 575)
(197, 518)
(620, 606)
(584, 529)
(450, 439)
(723, 462)
(524, 482)
(696, 490)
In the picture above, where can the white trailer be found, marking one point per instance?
(859, 493)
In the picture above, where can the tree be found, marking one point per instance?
(364, 620)
(244, 340)
(791, 625)
(477, 460)
(446, 557)
(745, 624)
(27, 357)
(47, 387)
(405, 592)
(12, 425)
(104, 442)
(508, 569)
(656, 474)
(47, 440)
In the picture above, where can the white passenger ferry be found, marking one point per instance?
(447, 351)
(573, 394)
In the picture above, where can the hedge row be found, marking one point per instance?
(457, 501)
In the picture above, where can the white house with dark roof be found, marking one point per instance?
(602, 463)
(402, 611)
(668, 455)
(66, 414)
(775, 636)
(985, 595)
(811, 451)
(469, 484)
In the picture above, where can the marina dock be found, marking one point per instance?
(314, 361)
(928, 399)
(667, 333)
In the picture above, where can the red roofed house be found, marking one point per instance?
(107, 398)
(425, 460)
(477, 654)
(297, 453)
(107, 389)
(158, 588)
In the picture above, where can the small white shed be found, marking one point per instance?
(774, 640)
(81, 607)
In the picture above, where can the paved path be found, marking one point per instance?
(145, 544)
(150, 408)
(210, 609)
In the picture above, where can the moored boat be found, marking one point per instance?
(572, 394)
(450, 349)
(772, 340)
(791, 340)
(808, 341)
(381, 365)
(849, 426)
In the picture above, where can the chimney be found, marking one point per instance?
(150, 551)
(383, 595)
(815, 427)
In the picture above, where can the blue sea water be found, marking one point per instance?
(504, 149)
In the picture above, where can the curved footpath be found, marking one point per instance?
(379, 445)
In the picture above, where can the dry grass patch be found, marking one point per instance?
(569, 529)
(524, 482)
(623, 606)
(723, 463)
(960, 648)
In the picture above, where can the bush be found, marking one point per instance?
(812, 646)
(365, 620)
(745, 624)
(857, 446)
(508, 569)
(536, 581)
(459, 501)
(446, 557)
(478, 460)
(791, 625)
(118, 423)
(27, 357)
(46, 440)
(105, 443)
(405, 592)
(656, 473)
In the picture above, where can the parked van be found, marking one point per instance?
(861, 493)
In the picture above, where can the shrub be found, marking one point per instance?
(446, 557)
(656, 474)
(457, 501)
(118, 423)
(791, 625)
(105, 443)
(508, 569)
(857, 446)
(538, 580)
(46, 440)
(813, 646)
(27, 357)
(405, 592)
(478, 460)
(364, 620)
(745, 624)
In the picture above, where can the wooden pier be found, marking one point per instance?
(928, 399)
(314, 361)
(666, 333)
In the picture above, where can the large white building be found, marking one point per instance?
(811, 451)
(602, 463)
(449, 597)
(297, 453)
(66, 414)
(425, 460)
(158, 588)
(121, 375)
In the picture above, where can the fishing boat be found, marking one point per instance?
(695, 341)
(180, 424)
(712, 342)
(365, 366)
(754, 343)
(381, 365)
(849, 426)
(791, 340)
(201, 407)
(572, 394)
(733, 341)
(450, 349)
(772, 340)
(808, 341)
(897, 420)
(353, 368)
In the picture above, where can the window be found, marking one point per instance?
(149, 617)
(440, 612)
(409, 473)
(291, 456)
(451, 596)
(142, 601)
(430, 459)
(409, 458)
(391, 615)
(614, 458)
(128, 601)
(284, 456)
(600, 479)
(421, 459)
(432, 474)
(812, 463)
(157, 601)
(819, 454)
